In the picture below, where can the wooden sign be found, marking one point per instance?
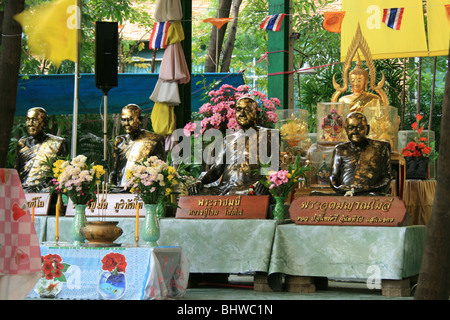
(39, 201)
(115, 205)
(348, 211)
(222, 207)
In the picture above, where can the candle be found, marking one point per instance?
(58, 208)
(137, 222)
(32, 213)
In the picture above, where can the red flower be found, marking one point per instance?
(121, 267)
(423, 139)
(53, 258)
(57, 273)
(108, 263)
(407, 153)
(47, 267)
(419, 117)
(114, 260)
(420, 130)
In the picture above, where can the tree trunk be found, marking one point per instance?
(216, 39)
(9, 72)
(434, 277)
(229, 45)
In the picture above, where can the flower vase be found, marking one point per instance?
(416, 168)
(279, 210)
(78, 222)
(112, 285)
(150, 232)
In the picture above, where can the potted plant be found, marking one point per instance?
(79, 181)
(152, 181)
(417, 153)
(281, 183)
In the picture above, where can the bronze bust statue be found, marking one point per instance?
(233, 172)
(35, 149)
(361, 166)
(135, 145)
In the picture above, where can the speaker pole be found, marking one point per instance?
(105, 128)
(76, 81)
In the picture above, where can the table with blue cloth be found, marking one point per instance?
(121, 272)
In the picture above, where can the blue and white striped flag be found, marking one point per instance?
(393, 17)
(272, 22)
(159, 35)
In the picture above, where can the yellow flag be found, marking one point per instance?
(389, 35)
(438, 25)
(51, 29)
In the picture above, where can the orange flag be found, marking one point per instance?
(218, 22)
(333, 21)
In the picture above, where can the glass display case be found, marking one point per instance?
(293, 126)
(330, 122)
(384, 122)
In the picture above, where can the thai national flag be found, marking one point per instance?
(272, 22)
(158, 37)
(393, 17)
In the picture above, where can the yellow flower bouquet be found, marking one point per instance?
(77, 179)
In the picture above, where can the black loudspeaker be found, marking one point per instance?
(106, 64)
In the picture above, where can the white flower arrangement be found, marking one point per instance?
(151, 179)
(78, 179)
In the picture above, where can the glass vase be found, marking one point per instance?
(78, 222)
(279, 210)
(151, 232)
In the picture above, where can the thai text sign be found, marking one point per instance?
(113, 205)
(348, 211)
(39, 201)
(222, 207)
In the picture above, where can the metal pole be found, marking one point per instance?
(76, 82)
(105, 129)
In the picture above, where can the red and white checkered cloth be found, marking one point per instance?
(19, 246)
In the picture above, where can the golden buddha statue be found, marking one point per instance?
(35, 149)
(359, 78)
(135, 145)
(360, 98)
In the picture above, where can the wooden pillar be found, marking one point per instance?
(183, 111)
(280, 48)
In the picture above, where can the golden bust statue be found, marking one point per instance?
(359, 78)
(360, 98)
(135, 145)
(35, 149)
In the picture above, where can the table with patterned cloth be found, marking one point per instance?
(20, 258)
(348, 252)
(222, 245)
(122, 272)
(211, 245)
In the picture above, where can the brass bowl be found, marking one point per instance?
(101, 233)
